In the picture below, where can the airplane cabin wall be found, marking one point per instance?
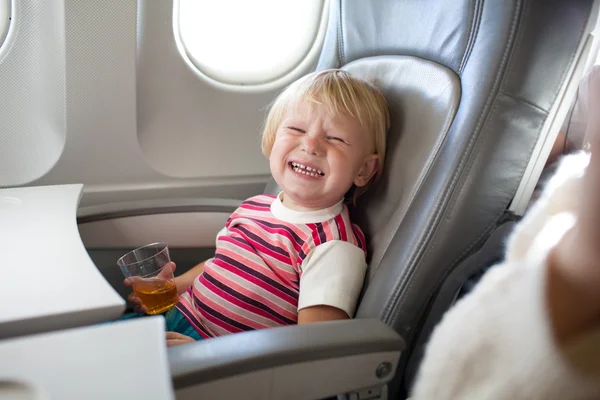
(101, 93)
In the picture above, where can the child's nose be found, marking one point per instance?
(313, 145)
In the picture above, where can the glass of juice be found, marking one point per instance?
(150, 276)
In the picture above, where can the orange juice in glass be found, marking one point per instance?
(151, 279)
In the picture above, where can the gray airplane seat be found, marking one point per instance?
(472, 88)
(472, 85)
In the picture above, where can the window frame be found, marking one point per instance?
(306, 64)
(6, 8)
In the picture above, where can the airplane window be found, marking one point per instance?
(4, 19)
(245, 42)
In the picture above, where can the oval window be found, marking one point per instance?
(4, 19)
(248, 42)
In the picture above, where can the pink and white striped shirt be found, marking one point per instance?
(270, 262)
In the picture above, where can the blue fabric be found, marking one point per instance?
(175, 322)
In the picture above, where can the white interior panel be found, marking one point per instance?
(32, 89)
(126, 360)
(99, 93)
(196, 230)
(189, 127)
(43, 258)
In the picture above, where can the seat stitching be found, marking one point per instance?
(389, 315)
(340, 31)
(421, 178)
(475, 24)
(421, 308)
(502, 92)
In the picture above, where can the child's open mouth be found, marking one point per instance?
(306, 170)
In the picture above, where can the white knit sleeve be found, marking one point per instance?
(496, 343)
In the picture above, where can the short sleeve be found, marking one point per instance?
(222, 232)
(332, 275)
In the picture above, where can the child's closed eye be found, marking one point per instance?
(337, 139)
(296, 129)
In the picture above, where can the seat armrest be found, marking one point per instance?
(154, 206)
(301, 361)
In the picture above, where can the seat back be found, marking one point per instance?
(423, 100)
(472, 86)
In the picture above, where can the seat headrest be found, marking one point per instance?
(423, 98)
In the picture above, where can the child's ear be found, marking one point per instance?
(368, 169)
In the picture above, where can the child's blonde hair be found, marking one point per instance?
(341, 94)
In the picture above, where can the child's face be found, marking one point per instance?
(316, 158)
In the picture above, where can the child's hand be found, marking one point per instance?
(138, 307)
(175, 339)
(136, 303)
